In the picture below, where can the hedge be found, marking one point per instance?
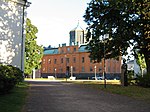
(144, 80)
(9, 77)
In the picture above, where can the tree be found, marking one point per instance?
(33, 52)
(126, 22)
(141, 62)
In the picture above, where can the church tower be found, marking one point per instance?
(77, 36)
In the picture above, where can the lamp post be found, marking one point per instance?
(33, 73)
(95, 72)
(55, 73)
(71, 72)
(104, 71)
(66, 67)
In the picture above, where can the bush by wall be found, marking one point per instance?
(131, 77)
(144, 80)
(9, 77)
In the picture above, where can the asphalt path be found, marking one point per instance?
(68, 97)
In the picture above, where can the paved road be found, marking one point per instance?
(67, 97)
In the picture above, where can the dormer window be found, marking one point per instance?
(68, 49)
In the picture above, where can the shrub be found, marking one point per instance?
(17, 73)
(9, 77)
(144, 81)
(130, 77)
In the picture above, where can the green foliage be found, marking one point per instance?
(144, 80)
(131, 77)
(126, 23)
(141, 61)
(9, 77)
(33, 52)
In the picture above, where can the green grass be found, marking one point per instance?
(14, 101)
(136, 92)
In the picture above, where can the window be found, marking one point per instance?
(68, 49)
(68, 69)
(109, 65)
(67, 59)
(49, 70)
(100, 69)
(74, 49)
(49, 61)
(55, 61)
(83, 69)
(43, 61)
(80, 39)
(62, 51)
(91, 69)
(74, 69)
(61, 70)
(114, 68)
(62, 60)
(90, 60)
(108, 68)
(74, 59)
(82, 59)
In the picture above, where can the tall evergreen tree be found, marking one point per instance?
(33, 52)
(126, 23)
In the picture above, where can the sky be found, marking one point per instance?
(55, 19)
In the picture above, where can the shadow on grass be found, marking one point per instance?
(136, 92)
(14, 100)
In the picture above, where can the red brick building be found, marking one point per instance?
(62, 60)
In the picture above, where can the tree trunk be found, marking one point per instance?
(148, 66)
(147, 60)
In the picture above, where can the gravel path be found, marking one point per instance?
(68, 97)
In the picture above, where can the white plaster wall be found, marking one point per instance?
(11, 13)
(137, 70)
(130, 66)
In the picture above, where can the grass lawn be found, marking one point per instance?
(14, 101)
(131, 91)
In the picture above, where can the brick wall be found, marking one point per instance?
(68, 56)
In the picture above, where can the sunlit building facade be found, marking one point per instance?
(74, 60)
(12, 35)
(66, 59)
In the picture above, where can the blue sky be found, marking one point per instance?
(55, 18)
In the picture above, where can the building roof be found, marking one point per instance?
(82, 48)
(77, 28)
(51, 51)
